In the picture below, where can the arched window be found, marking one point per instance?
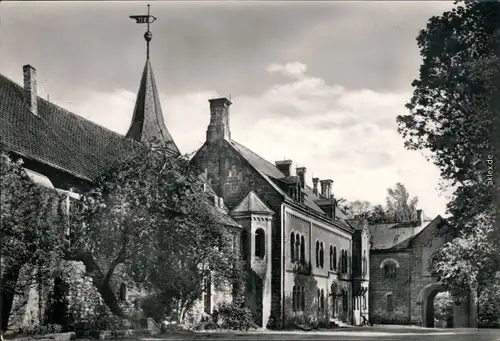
(317, 254)
(302, 249)
(321, 255)
(333, 295)
(259, 243)
(323, 300)
(389, 302)
(345, 301)
(123, 292)
(292, 247)
(331, 257)
(297, 248)
(365, 264)
(389, 270)
(335, 258)
(294, 298)
(319, 300)
(302, 299)
(342, 256)
(345, 262)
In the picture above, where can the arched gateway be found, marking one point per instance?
(464, 309)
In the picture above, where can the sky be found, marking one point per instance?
(320, 83)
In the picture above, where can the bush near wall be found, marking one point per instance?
(489, 307)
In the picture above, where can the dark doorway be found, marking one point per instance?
(258, 300)
(58, 311)
(439, 310)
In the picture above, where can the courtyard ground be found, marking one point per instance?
(363, 333)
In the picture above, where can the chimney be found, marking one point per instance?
(315, 186)
(326, 188)
(30, 95)
(420, 217)
(284, 166)
(218, 128)
(301, 173)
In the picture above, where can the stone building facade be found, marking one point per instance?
(298, 243)
(65, 152)
(307, 259)
(402, 288)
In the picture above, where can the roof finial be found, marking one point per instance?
(145, 19)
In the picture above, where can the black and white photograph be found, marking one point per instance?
(250, 170)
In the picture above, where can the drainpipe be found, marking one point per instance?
(409, 287)
(282, 226)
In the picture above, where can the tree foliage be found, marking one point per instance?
(31, 235)
(399, 206)
(151, 217)
(455, 114)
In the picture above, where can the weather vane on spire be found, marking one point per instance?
(145, 19)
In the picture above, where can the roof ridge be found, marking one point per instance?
(254, 153)
(65, 110)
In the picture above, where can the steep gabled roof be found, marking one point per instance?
(437, 221)
(273, 175)
(252, 204)
(57, 137)
(395, 235)
(147, 121)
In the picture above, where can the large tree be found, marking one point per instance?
(359, 207)
(150, 217)
(455, 114)
(31, 235)
(399, 206)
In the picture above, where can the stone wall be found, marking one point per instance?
(232, 178)
(380, 287)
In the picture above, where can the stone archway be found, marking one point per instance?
(426, 300)
(463, 314)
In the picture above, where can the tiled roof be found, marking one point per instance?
(429, 224)
(57, 137)
(386, 236)
(272, 174)
(222, 213)
(252, 204)
(147, 121)
(258, 162)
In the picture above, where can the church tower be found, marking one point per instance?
(147, 122)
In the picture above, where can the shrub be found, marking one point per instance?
(274, 322)
(42, 329)
(206, 325)
(489, 307)
(235, 315)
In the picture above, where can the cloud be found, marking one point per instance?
(347, 135)
(292, 69)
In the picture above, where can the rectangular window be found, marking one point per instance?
(207, 295)
(390, 303)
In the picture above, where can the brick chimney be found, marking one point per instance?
(218, 128)
(301, 173)
(420, 217)
(315, 186)
(30, 95)
(326, 188)
(284, 166)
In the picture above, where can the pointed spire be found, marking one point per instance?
(147, 123)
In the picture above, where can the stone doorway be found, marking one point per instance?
(462, 311)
